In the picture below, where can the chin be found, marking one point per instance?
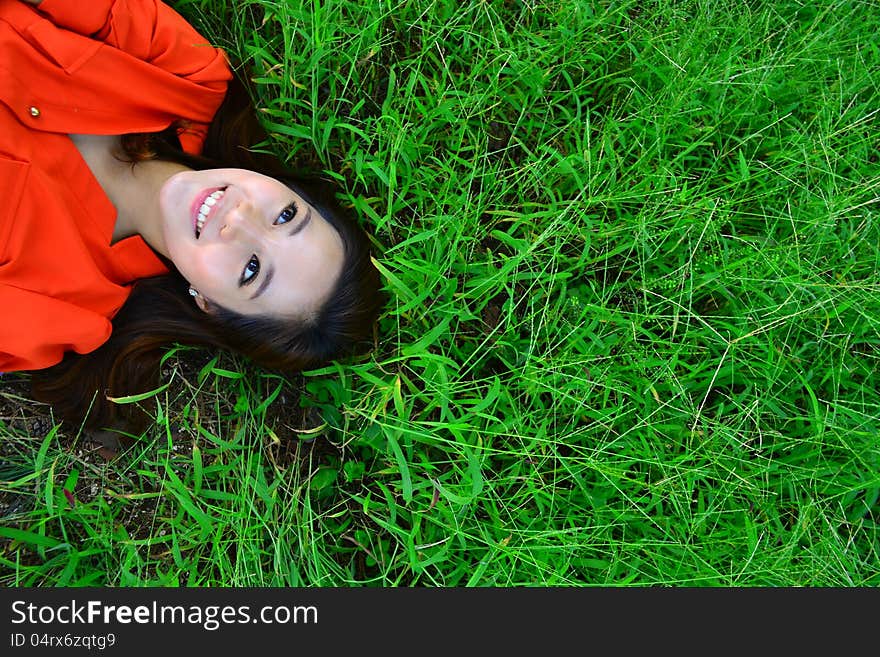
(167, 194)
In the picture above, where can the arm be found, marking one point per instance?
(94, 47)
(148, 30)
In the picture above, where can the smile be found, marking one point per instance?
(206, 208)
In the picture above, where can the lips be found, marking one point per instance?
(204, 207)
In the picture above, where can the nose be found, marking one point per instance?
(241, 222)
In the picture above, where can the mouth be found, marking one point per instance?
(204, 207)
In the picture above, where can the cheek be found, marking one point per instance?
(206, 270)
(219, 270)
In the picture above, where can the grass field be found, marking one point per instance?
(633, 257)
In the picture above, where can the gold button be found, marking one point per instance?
(35, 111)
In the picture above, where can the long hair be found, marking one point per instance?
(159, 313)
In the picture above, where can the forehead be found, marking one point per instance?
(304, 269)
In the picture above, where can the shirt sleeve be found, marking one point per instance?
(148, 30)
(86, 18)
(38, 330)
(143, 33)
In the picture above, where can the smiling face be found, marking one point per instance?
(248, 242)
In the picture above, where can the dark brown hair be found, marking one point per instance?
(160, 313)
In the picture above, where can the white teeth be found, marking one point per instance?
(205, 208)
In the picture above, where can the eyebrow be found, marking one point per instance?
(301, 224)
(270, 271)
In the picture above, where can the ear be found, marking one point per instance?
(203, 304)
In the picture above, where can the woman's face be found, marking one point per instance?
(248, 242)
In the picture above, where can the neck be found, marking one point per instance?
(137, 207)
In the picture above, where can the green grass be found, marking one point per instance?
(633, 255)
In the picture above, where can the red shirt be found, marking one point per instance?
(98, 67)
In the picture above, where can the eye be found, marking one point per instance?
(287, 214)
(251, 269)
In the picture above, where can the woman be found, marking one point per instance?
(134, 216)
